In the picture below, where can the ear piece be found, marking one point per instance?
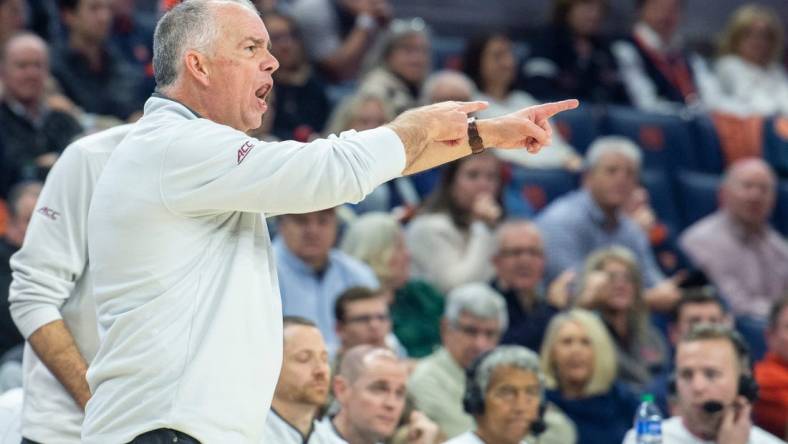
(539, 426)
(473, 399)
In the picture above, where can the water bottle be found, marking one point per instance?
(648, 422)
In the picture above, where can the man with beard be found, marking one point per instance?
(302, 388)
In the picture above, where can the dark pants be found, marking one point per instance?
(158, 436)
(164, 436)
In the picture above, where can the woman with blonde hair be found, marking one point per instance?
(578, 360)
(611, 285)
(751, 76)
(415, 307)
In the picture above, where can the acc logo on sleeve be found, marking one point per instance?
(244, 150)
(48, 213)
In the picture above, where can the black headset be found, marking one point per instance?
(748, 387)
(473, 399)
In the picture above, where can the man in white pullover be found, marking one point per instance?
(50, 296)
(187, 300)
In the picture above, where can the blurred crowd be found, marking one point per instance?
(661, 205)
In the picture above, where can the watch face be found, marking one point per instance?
(474, 139)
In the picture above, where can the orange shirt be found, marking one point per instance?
(771, 408)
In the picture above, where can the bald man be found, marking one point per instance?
(370, 389)
(33, 133)
(745, 257)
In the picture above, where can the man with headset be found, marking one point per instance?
(715, 390)
(504, 395)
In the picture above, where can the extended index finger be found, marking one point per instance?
(471, 107)
(550, 109)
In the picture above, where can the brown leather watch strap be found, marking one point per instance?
(474, 139)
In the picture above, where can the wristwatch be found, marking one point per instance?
(474, 139)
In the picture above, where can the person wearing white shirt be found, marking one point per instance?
(715, 390)
(504, 394)
(11, 415)
(187, 299)
(51, 299)
(370, 391)
(751, 77)
(302, 388)
(659, 73)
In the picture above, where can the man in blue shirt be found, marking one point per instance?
(312, 273)
(591, 218)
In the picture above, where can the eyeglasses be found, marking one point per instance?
(517, 252)
(367, 318)
(509, 393)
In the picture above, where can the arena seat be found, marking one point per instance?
(697, 195)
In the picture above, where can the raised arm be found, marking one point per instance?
(436, 134)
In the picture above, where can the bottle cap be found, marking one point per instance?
(647, 397)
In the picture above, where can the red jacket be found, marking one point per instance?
(771, 408)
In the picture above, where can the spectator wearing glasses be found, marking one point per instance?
(504, 394)
(473, 322)
(415, 307)
(519, 272)
(362, 317)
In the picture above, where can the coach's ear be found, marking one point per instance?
(341, 389)
(195, 64)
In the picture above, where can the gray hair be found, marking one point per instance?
(445, 76)
(396, 31)
(612, 144)
(511, 224)
(476, 299)
(507, 356)
(189, 25)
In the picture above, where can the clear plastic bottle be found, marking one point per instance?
(648, 421)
